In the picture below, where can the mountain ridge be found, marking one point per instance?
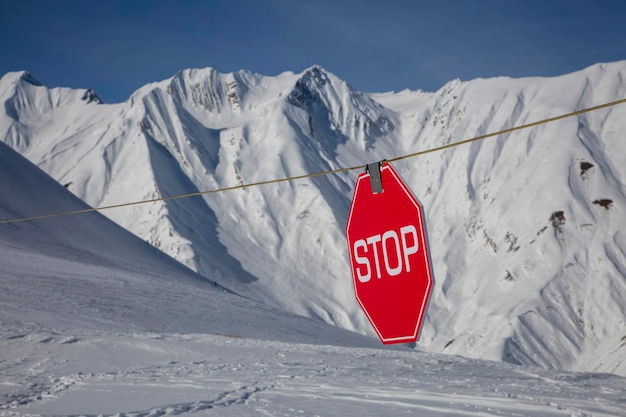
(512, 220)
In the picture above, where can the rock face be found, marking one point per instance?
(526, 229)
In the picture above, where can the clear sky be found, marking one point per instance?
(116, 46)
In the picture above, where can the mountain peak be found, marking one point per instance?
(308, 87)
(338, 112)
(16, 76)
(90, 96)
(27, 77)
(316, 74)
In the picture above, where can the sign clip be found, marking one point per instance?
(375, 181)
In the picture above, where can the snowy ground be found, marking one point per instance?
(45, 372)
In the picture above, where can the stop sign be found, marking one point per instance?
(389, 256)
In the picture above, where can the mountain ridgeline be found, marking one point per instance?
(526, 230)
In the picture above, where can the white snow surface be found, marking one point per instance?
(146, 374)
(85, 271)
(96, 322)
(526, 230)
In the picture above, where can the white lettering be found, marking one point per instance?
(391, 234)
(409, 250)
(362, 260)
(404, 245)
(373, 240)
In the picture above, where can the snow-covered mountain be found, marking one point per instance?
(94, 321)
(526, 230)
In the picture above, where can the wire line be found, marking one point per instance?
(512, 129)
(318, 174)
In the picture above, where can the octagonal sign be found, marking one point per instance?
(389, 256)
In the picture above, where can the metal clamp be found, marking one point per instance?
(375, 180)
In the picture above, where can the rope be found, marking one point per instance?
(512, 129)
(318, 174)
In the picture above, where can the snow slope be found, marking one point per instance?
(85, 272)
(94, 321)
(526, 229)
(133, 375)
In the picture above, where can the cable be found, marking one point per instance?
(318, 174)
(512, 129)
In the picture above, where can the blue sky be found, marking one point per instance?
(115, 46)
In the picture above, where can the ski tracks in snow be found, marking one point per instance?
(148, 375)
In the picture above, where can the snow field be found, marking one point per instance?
(143, 374)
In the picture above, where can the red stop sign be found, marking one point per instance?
(389, 257)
